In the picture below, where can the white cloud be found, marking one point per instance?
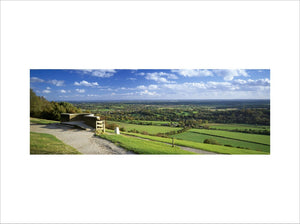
(250, 83)
(146, 92)
(56, 82)
(124, 94)
(259, 82)
(237, 85)
(101, 73)
(193, 72)
(46, 91)
(53, 82)
(160, 77)
(186, 86)
(36, 79)
(141, 87)
(229, 74)
(157, 79)
(63, 91)
(85, 83)
(80, 90)
(132, 79)
(239, 81)
(48, 87)
(151, 87)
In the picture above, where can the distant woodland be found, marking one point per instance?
(192, 113)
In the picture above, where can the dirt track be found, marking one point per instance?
(84, 141)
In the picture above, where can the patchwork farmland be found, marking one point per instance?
(227, 142)
(227, 127)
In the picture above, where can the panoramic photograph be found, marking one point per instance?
(150, 111)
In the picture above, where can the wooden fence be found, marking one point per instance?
(100, 126)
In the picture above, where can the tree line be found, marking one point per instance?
(42, 108)
(193, 118)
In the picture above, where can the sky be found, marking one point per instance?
(150, 84)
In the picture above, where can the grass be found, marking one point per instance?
(41, 143)
(197, 137)
(157, 123)
(262, 139)
(203, 146)
(42, 121)
(240, 127)
(151, 129)
(142, 146)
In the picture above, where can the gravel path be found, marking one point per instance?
(84, 141)
(199, 151)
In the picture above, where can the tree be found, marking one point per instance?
(42, 108)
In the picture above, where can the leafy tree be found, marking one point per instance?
(42, 108)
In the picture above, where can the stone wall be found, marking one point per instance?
(91, 120)
(64, 117)
(87, 118)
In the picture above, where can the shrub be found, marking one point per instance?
(211, 141)
(206, 126)
(111, 126)
(161, 135)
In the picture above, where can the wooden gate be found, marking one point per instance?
(100, 126)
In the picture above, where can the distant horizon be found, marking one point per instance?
(150, 84)
(162, 100)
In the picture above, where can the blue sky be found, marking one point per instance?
(139, 84)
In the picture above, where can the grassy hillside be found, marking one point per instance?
(42, 121)
(41, 143)
(142, 146)
(203, 146)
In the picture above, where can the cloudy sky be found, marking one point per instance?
(125, 84)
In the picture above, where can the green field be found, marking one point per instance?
(42, 121)
(158, 123)
(240, 127)
(151, 129)
(203, 146)
(242, 143)
(142, 146)
(41, 143)
(197, 137)
(255, 138)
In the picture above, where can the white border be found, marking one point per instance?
(125, 35)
